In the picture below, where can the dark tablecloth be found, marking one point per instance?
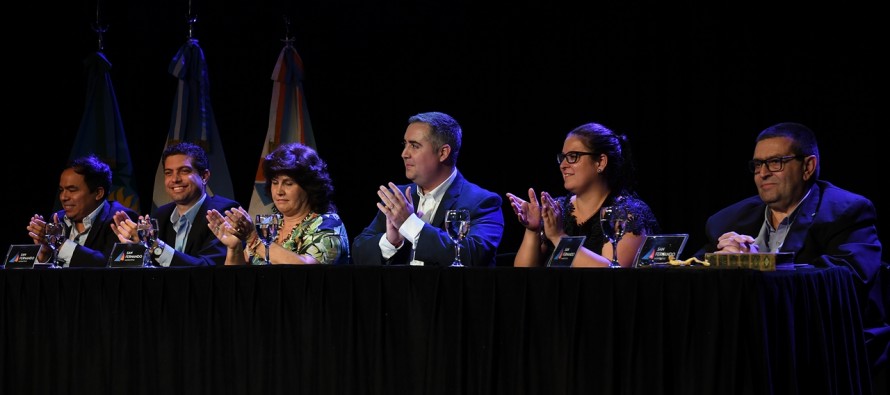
(424, 330)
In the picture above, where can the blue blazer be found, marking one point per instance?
(101, 239)
(434, 246)
(833, 227)
(202, 247)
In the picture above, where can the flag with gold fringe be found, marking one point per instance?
(288, 119)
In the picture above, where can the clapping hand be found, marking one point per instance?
(241, 223)
(37, 230)
(551, 213)
(124, 228)
(397, 207)
(528, 212)
(223, 229)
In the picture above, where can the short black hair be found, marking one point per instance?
(194, 151)
(443, 130)
(96, 173)
(803, 141)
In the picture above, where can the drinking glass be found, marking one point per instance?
(55, 235)
(147, 230)
(267, 226)
(614, 222)
(457, 224)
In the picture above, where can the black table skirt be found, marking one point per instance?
(424, 330)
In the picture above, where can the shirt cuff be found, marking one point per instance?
(386, 248)
(411, 227)
(66, 251)
(166, 257)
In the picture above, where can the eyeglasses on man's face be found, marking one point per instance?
(772, 164)
(571, 156)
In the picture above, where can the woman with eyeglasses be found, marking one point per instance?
(597, 171)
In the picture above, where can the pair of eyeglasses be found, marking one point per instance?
(571, 156)
(772, 164)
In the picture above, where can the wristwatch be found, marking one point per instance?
(157, 250)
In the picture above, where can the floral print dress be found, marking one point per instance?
(322, 236)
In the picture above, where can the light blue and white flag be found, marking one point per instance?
(193, 121)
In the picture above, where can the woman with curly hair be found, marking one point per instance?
(299, 185)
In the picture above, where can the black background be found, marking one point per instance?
(690, 84)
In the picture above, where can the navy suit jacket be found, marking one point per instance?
(202, 247)
(434, 246)
(101, 239)
(833, 227)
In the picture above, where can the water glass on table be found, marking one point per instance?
(457, 224)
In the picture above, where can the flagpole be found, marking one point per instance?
(99, 28)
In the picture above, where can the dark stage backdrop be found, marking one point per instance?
(691, 84)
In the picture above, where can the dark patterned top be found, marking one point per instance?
(643, 221)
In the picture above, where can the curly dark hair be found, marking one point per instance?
(303, 164)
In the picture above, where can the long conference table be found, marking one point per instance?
(429, 330)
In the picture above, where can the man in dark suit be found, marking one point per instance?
(84, 187)
(184, 238)
(401, 235)
(797, 212)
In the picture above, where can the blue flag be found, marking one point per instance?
(192, 120)
(101, 132)
(288, 119)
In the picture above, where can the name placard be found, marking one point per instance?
(21, 256)
(658, 249)
(126, 255)
(565, 252)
